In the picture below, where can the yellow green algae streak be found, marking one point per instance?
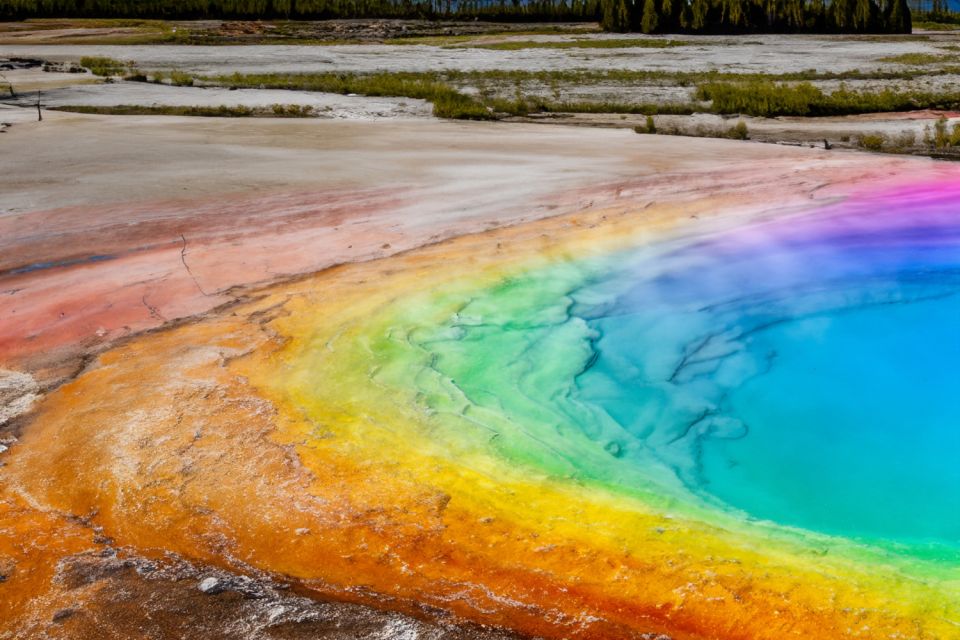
(700, 436)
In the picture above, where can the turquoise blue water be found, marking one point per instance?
(806, 372)
(855, 429)
(803, 370)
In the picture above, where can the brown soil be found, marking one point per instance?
(112, 595)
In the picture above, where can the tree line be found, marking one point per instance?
(757, 16)
(496, 10)
(935, 11)
(647, 16)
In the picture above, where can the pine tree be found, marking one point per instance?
(733, 16)
(899, 20)
(616, 16)
(651, 19)
(865, 16)
(670, 15)
(842, 14)
(698, 15)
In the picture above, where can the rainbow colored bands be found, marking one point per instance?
(597, 426)
(746, 433)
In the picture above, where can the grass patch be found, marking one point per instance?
(222, 111)
(465, 81)
(293, 111)
(441, 41)
(738, 131)
(181, 79)
(455, 94)
(45, 24)
(677, 78)
(447, 101)
(527, 105)
(440, 90)
(903, 142)
(941, 135)
(916, 59)
(770, 99)
(935, 26)
(893, 37)
(176, 78)
(872, 141)
(137, 31)
(618, 43)
(101, 66)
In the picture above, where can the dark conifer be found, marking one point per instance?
(651, 18)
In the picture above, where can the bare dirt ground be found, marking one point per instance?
(111, 593)
(767, 54)
(325, 105)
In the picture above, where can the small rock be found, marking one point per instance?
(210, 586)
(302, 531)
(3, 448)
(63, 614)
(7, 568)
(275, 612)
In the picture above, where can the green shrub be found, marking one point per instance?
(292, 110)
(905, 140)
(872, 141)
(649, 127)
(625, 43)
(447, 101)
(942, 136)
(739, 131)
(101, 66)
(916, 59)
(221, 111)
(181, 79)
(452, 104)
(760, 98)
(770, 99)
